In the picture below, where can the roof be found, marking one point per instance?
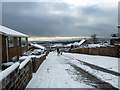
(9, 32)
(82, 41)
(38, 46)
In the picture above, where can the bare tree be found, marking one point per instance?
(94, 38)
(114, 35)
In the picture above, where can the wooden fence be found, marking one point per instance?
(103, 51)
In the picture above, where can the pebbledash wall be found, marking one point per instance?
(103, 51)
(18, 75)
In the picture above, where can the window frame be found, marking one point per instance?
(23, 42)
(10, 38)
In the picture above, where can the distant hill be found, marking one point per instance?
(64, 42)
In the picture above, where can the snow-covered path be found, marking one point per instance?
(58, 72)
(53, 73)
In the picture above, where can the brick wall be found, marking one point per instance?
(36, 62)
(19, 78)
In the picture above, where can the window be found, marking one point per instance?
(23, 42)
(10, 41)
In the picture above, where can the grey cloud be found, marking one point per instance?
(35, 19)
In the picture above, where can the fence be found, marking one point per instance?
(103, 51)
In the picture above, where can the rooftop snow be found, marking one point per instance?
(82, 41)
(9, 32)
(77, 43)
(38, 46)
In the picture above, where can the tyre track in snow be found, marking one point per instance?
(96, 67)
(92, 79)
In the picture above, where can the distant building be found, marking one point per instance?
(115, 38)
(12, 44)
(118, 30)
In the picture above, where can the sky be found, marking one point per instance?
(61, 18)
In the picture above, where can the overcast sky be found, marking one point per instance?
(76, 18)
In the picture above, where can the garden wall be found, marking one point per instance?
(17, 78)
(103, 51)
(36, 62)
(18, 75)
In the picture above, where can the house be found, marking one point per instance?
(12, 44)
(115, 39)
(118, 30)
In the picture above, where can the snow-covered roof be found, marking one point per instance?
(38, 46)
(82, 41)
(9, 32)
(77, 43)
(58, 45)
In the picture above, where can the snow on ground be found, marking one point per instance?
(109, 63)
(53, 74)
(112, 79)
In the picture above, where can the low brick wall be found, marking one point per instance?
(103, 51)
(19, 78)
(36, 62)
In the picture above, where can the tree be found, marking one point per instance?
(94, 38)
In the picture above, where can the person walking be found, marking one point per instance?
(58, 51)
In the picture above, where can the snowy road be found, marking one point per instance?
(54, 73)
(58, 72)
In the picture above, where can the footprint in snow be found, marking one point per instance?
(48, 70)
